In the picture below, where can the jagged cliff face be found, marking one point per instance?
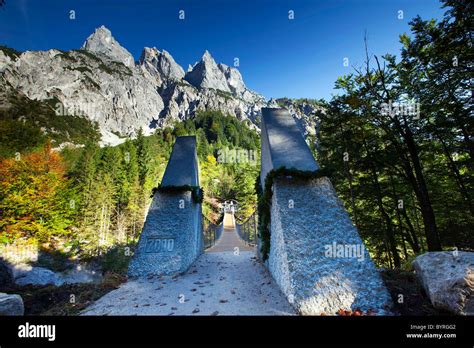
(102, 43)
(206, 74)
(103, 82)
(305, 112)
(121, 99)
(160, 65)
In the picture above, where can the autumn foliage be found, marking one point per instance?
(355, 313)
(34, 196)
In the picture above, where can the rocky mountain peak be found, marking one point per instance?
(206, 74)
(206, 57)
(234, 79)
(153, 93)
(148, 54)
(161, 64)
(102, 42)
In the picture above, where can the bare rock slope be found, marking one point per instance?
(101, 81)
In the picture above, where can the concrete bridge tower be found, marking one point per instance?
(316, 254)
(171, 238)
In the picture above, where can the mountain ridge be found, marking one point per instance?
(105, 84)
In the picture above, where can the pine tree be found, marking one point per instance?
(143, 157)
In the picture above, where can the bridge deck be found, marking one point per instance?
(229, 239)
(216, 284)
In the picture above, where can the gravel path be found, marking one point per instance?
(219, 283)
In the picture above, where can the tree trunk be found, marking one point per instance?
(413, 239)
(431, 231)
(457, 176)
(388, 221)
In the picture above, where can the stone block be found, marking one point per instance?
(448, 279)
(171, 238)
(316, 255)
(11, 304)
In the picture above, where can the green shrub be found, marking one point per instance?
(116, 259)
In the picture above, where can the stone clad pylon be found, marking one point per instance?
(171, 238)
(316, 255)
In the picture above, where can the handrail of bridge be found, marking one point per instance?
(211, 232)
(248, 229)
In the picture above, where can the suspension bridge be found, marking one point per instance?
(186, 265)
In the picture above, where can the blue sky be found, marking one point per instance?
(278, 57)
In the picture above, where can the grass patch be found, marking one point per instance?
(91, 82)
(115, 68)
(121, 68)
(223, 94)
(81, 69)
(116, 259)
(89, 55)
(67, 56)
(184, 83)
